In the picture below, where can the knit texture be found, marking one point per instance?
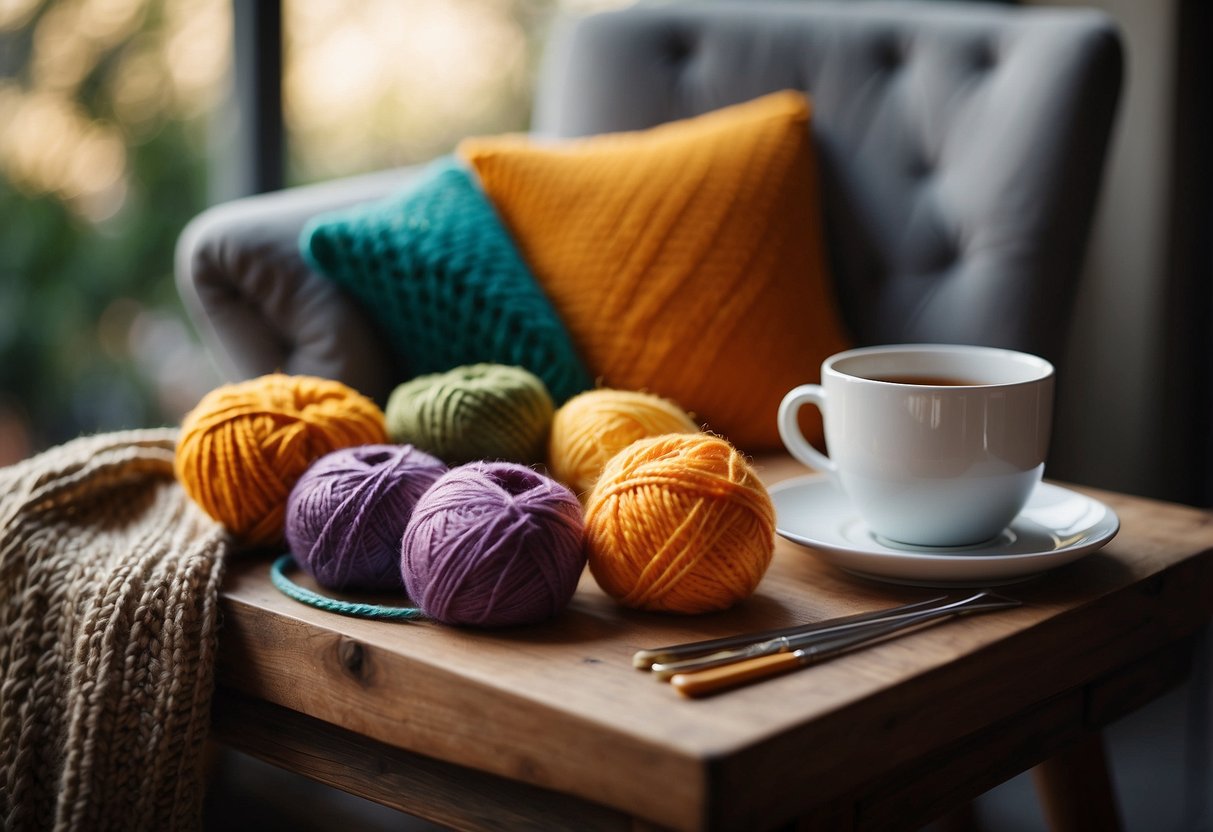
(440, 274)
(686, 260)
(109, 581)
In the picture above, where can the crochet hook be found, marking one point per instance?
(743, 670)
(786, 644)
(645, 659)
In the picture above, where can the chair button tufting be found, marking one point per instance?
(889, 53)
(919, 166)
(679, 46)
(985, 56)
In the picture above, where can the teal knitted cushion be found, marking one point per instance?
(435, 267)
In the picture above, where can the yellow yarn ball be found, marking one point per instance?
(679, 523)
(592, 427)
(243, 446)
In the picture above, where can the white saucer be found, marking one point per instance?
(1057, 526)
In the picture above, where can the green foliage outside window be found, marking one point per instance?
(101, 165)
(111, 112)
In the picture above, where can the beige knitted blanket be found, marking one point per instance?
(109, 580)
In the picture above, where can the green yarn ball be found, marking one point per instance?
(481, 411)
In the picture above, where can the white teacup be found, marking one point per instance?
(935, 445)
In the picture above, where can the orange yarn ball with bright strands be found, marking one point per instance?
(592, 427)
(679, 523)
(243, 446)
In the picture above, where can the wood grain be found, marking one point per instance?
(412, 783)
(560, 706)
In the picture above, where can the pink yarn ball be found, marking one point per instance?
(346, 514)
(493, 544)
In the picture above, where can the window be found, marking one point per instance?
(117, 125)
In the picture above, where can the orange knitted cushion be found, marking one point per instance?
(685, 260)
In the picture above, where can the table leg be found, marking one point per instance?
(1075, 789)
(961, 819)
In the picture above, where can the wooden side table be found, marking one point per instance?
(550, 726)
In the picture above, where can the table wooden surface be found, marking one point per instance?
(552, 726)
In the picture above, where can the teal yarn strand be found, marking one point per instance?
(477, 412)
(291, 589)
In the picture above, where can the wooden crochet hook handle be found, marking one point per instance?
(716, 679)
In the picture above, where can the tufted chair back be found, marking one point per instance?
(960, 146)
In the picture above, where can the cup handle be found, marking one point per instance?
(789, 427)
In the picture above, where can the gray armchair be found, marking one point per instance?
(960, 147)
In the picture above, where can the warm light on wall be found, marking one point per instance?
(384, 82)
(51, 146)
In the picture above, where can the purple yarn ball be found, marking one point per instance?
(494, 544)
(346, 514)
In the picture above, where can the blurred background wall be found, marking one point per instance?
(1134, 405)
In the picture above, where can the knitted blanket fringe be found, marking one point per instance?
(109, 583)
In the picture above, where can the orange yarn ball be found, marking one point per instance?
(679, 523)
(243, 446)
(592, 427)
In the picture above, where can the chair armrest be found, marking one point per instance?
(258, 307)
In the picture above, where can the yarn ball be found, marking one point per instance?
(481, 411)
(679, 523)
(592, 427)
(347, 513)
(243, 446)
(493, 544)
